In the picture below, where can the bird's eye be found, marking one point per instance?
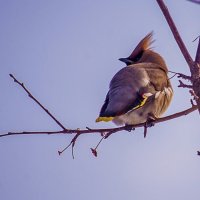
(138, 56)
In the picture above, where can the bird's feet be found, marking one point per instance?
(149, 123)
(129, 128)
(150, 120)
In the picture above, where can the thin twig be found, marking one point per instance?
(99, 143)
(34, 99)
(72, 143)
(183, 85)
(172, 77)
(196, 38)
(94, 150)
(180, 75)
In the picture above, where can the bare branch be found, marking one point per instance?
(105, 131)
(94, 150)
(194, 66)
(180, 75)
(34, 99)
(176, 34)
(183, 76)
(183, 85)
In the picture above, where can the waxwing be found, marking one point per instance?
(141, 90)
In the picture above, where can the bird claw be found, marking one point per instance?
(129, 128)
(150, 123)
(151, 120)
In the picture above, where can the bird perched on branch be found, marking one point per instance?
(140, 92)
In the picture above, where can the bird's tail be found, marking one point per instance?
(104, 119)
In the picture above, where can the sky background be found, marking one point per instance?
(66, 52)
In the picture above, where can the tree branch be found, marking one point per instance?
(197, 58)
(194, 66)
(34, 99)
(105, 131)
(196, 76)
(183, 85)
(175, 32)
(180, 75)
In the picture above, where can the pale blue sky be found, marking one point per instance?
(66, 52)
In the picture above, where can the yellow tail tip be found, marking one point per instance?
(104, 119)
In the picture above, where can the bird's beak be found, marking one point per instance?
(126, 60)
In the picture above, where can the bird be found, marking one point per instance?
(141, 91)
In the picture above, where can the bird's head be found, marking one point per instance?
(143, 53)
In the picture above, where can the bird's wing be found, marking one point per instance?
(129, 89)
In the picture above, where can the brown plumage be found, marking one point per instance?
(143, 45)
(139, 91)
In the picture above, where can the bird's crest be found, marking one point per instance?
(143, 45)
